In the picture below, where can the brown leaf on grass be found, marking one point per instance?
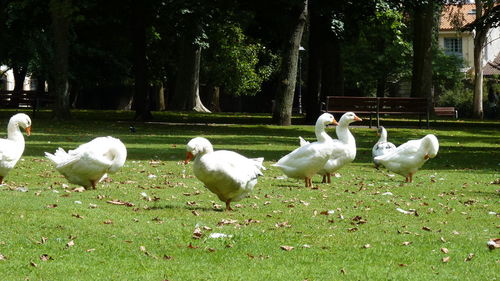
(78, 189)
(494, 243)
(42, 240)
(45, 257)
(33, 264)
(282, 224)
(226, 221)
(249, 221)
(50, 206)
(90, 250)
(469, 257)
(142, 248)
(77, 216)
(197, 234)
(165, 257)
(120, 202)
(352, 229)
(191, 203)
(406, 243)
(403, 264)
(195, 213)
(2, 257)
(211, 250)
(71, 243)
(444, 250)
(108, 221)
(190, 246)
(445, 259)
(442, 239)
(286, 248)
(343, 271)
(366, 246)
(426, 228)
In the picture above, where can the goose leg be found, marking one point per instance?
(411, 177)
(94, 182)
(228, 205)
(324, 178)
(407, 178)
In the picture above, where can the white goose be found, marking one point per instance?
(382, 146)
(308, 159)
(407, 158)
(88, 164)
(344, 148)
(12, 148)
(231, 176)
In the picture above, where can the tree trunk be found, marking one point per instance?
(312, 96)
(60, 11)
(381, 82)
(214, 99)
(19, 77)
(288, 70)
(187, 86)
(141, 102)
(479, 40)
(332, 83)
(421, 84)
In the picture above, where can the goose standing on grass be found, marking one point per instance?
(307, 160)
(344, 148)
(12, 148)
(89, 163)
(231, 176)
(382, 146)
(407, 158)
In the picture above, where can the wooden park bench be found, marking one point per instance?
(378, 106)
(446, 111)
(24, 99)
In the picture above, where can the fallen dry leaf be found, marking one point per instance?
(33, 264)
(195, 213)
(90, 250)
(78, 189)
(42, 240)
(2, 257)
(406, 243)
(352, 229)
(494, 243)
(142, 248)
(45, 257)
(469, 257)
(282, 224)
(71, 243)
(286, 248)
(226, 221)
(190, 246)
(446, 259)
(120, 202)
(165, 257)
(403, 264)
(107, 221)
(426, 228)
(366, 246)
(52, 206)
(197, 234)
(444, 250)
(211, 250)
(343, 271)
(77, 216)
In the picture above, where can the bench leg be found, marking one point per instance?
(370, 120)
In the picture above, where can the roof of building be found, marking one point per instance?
(492, 67)
(456, 15)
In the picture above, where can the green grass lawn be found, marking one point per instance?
(348, 230)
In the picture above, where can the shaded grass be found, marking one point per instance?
(452, 194)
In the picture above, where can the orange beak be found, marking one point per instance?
(426, 156)
(189, 156)
(356, 118)
(334, 122)
(28, 130)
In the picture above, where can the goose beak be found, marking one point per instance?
(426, 156)
(356, 118)
(28, 130)
(334, 122)
(189, 156)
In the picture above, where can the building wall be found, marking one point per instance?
(9, 81)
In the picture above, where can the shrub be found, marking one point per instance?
(460, 98)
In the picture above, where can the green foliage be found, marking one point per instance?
(460, 97)
(446, 71)
(235, 62)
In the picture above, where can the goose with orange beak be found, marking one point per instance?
(407, 158)
(307, 160)
(12, 148)
(229, 175)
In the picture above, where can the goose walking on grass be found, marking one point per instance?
(307, 160)
(407, 158)
(382, 146)
(12, 148)
(231, 176)
(89, 163)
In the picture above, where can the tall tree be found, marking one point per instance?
(287, 73)
(423, 24)
(60, 12)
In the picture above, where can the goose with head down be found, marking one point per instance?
(12, 148)
(382, 146)
(407, 158)
(308, 159)
(89, 163)
(231, 176)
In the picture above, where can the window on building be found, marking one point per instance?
(453, 46)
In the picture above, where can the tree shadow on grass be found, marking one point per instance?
(190, 208)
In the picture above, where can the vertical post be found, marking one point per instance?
(299, 80)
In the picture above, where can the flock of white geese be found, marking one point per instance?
(229, 175)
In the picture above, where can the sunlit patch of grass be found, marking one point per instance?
(349, 230)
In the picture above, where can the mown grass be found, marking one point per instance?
(328, 226)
